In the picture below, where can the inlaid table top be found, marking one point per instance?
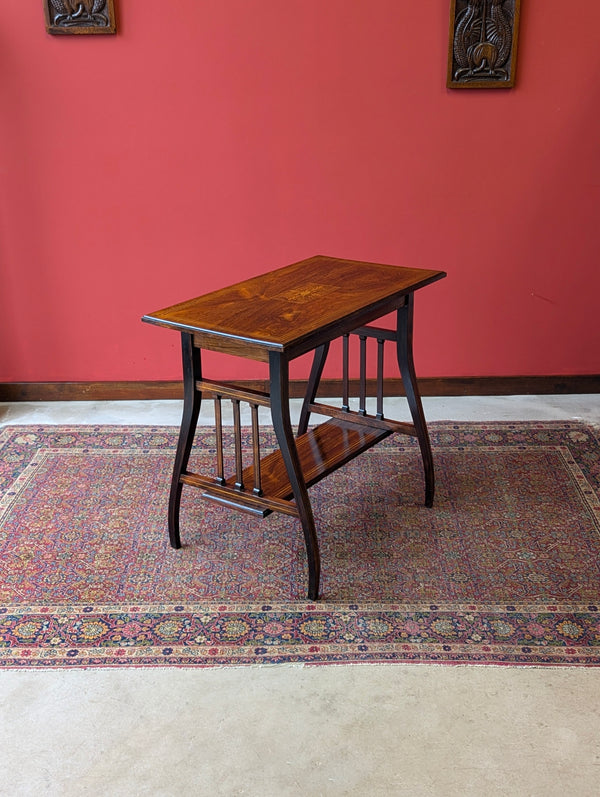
(290, 308)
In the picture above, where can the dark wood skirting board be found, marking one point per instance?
(442, 386)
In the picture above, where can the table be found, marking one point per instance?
(274, 318)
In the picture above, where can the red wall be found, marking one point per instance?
(216, 139)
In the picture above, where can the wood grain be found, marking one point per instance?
(293, 309)
(321, 451)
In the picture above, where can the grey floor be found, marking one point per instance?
(292, 730)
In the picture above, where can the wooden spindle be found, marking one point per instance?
(345, 381)
(219, 440)
(362, 407)
(237, 431)
(380, 344)
(256, 450)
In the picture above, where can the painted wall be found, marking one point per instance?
(216, 139)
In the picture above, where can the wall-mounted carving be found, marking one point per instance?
(79, 16)
(483, 43)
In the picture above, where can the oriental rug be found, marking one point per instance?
(504, 569)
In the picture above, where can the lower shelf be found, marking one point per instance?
(321, 451)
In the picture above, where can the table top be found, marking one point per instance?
(296, 307)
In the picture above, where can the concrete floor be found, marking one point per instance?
(292, 730)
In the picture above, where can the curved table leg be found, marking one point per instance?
(280, 410)
(191, 409)
(313, 385)
(409, 379)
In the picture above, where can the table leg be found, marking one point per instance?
(192, 371)
(280, 411)
(407, 370)
(313, 385)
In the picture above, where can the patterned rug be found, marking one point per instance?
(505, 569)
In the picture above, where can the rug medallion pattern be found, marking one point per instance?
(505, 569)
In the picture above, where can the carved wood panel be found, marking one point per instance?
(79, 16)
(483, 43)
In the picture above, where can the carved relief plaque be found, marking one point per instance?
(79, 16)
(483, 44)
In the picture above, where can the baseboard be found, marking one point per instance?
(442, 386)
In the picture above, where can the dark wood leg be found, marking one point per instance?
(280, 410)
(191, 408)
(407, 370)
(313, 385)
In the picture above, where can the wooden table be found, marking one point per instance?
(275, 318)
